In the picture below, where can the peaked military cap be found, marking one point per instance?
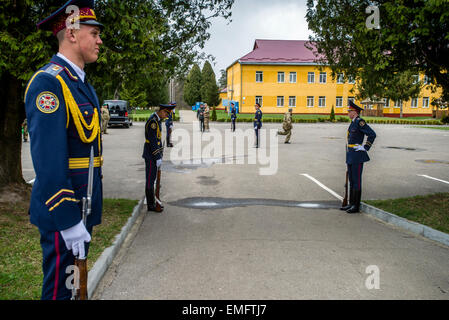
(353, 106)
(170, 106)
(57, 21)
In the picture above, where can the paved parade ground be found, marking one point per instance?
(264, 223)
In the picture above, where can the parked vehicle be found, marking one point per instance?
(118, 111)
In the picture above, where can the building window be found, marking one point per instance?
(292, 101)
(398, 104)
(340, 78)
(351, 80)
(425, 102)
(311, 77)
(310, 100)
(339, 102)
(387, 102)
(292, 77)
(280, 101)
(259, 100)
(281, 77)
(259, 76)
(415, 103)
(350, 99)
(321, 101)
(426, 80)
(415, 78)
(323, 77)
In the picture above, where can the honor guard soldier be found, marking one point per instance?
(257, 122)
(153, 150)
(356, 155)
(233, 111)
(63, 115)
(169, 126)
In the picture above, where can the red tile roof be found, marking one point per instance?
(280, 51)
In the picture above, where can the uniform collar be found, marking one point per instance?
(81, 74)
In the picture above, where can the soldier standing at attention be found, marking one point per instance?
(63, 115)
(105, 117)
(169, 126)
(153, 151)
(206, 117)
(200, 116)
(257, 122)
(287, 126)
(233, 111)
(356, 155)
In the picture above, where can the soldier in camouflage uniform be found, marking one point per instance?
(287, 126)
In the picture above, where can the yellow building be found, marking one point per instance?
(282, 74)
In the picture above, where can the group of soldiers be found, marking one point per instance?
(64, 120)
(203, 115)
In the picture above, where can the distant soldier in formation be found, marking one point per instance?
(25, 130)
(287, 126)
(233, 111)
(257, 123)
(153, 151)
(169, 127)
(206, 117)
(356, 155)
(104, 117)
(200, 116)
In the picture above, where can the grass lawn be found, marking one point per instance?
(430, 210)
(20, 251)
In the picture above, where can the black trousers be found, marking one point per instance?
(150, 179)
(355, 175)
(232, 125)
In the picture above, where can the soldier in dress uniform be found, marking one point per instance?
(63, 115)
(169, 127)
(287, 126)
(153, 150)
(356, 155)
(233, 111)
(105, 118)
(257, 122)
(200, 116)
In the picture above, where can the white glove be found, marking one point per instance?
(255, 128)
(75, 237)
(359, 148)
(158, 163)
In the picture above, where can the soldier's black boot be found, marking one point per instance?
(350, 202)
(356, 206)
(150, 200)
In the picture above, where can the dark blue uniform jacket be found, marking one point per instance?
(356, 134)
(60, 157)
(153, 149)
(258, 119)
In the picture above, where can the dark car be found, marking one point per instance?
(118, 111)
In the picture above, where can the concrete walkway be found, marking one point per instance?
(187, 116)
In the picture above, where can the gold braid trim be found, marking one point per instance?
(77, 116)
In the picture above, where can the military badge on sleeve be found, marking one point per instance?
(47, 102)
(153, 126)
(362, 123)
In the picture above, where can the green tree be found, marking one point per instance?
(332, 115)
(412, 36)
(209, 89)
(192, 86)
(223, 81)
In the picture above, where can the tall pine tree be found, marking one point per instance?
(209, 88)
(192, 86)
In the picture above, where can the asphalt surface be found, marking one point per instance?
(230, 232)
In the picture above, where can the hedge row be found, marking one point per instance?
(338, 119)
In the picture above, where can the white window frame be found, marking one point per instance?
(259, 74)
(281, 74)
(280, 99)
(259, 99)
(310, 99)
(396, 105)
(323, 77)
(351, 99)
(340, 78)
(311, 77)
(414, 103)
(427, 80)
(292, 74)
(321, 99)
(425, 102)
(339, 102)
(387, 102)
(351, 80)
(290, 100)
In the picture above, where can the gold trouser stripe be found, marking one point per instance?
(83, 163)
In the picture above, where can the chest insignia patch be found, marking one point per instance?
(153, 126)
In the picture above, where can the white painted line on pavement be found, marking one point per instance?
(336, 195)
(429, 177)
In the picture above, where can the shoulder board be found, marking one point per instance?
(53, 69)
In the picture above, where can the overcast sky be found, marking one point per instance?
(251, 20)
